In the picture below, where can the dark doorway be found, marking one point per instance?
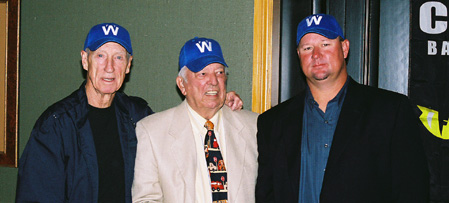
(370, 26)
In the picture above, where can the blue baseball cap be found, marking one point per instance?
(108, 32)
(322, 24)
(197, 53)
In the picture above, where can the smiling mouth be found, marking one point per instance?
(211, 93)
(108, 79)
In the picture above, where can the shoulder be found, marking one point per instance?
(294, 104)
(159, 118)
(376, 101)
(248, 117)
(375, 95)
(69, 104)
(62, 116)
(132, 100)
(241, 114)
(133, 104)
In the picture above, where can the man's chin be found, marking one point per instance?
(321, 78)
(106, 91)
(215, 105)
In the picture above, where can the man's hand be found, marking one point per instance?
(234, 101)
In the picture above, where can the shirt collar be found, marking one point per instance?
(200, 121)
(339, 98)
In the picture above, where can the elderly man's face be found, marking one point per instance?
(106, 68)
(205, 91)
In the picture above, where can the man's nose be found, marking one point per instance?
(316, 53)
(213, 80)
(109, 66)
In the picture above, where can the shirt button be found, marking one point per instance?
(326, 145)
(326, 121)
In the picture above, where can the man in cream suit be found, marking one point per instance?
(174, 161)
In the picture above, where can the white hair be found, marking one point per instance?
(184, 69)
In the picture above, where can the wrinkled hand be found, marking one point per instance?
(234, 101)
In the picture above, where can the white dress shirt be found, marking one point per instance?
(202, 179)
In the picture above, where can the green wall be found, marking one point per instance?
(53, 33)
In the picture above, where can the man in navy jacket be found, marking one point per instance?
(82, 148)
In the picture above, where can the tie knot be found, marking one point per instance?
(209, 125)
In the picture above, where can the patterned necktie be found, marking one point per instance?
(216, 166)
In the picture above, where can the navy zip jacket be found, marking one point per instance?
(59, 163)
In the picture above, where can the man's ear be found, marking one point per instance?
(129, 64)
(84, 60)
(180, 83)
(345, 47)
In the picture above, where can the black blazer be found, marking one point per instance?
(376, 154)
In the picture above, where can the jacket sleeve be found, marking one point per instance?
(146, 186)
(410, 176)
(41, 167)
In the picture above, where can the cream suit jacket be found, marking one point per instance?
(166, 158)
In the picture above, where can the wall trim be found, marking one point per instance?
(262, 55)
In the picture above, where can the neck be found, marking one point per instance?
(99, 100)
(324, 92)
(206, 113)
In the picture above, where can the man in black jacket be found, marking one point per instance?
(338, 141)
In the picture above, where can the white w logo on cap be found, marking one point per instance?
(110, 28)
(313, 19)
(203, 45)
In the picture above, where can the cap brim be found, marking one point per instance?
(323, 32)
(199, 64)
(97, 44)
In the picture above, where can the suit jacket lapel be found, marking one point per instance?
(236, 148)
(287, 157)
(349, 117)
(291, 142)
(183, 147)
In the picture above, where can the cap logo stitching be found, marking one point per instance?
(109, 29)
(314, 20)
(204, 44)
